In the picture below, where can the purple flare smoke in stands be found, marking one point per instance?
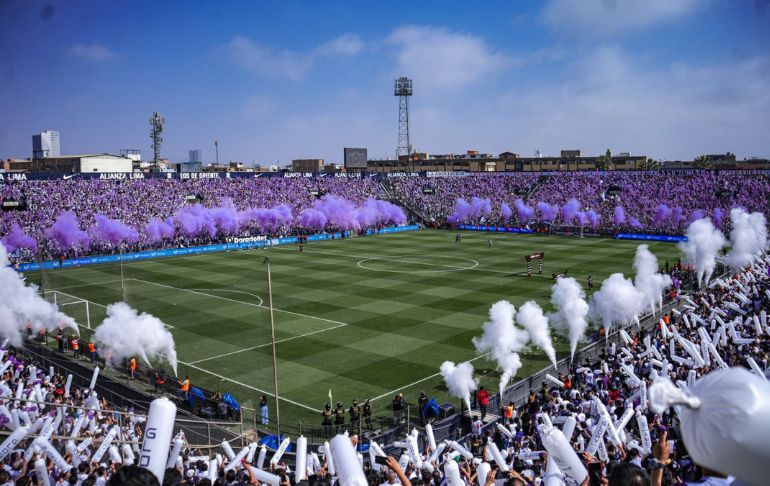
(697, 214)
(548, 212)
(461, 211)
(226, 218)
(524, 212)
(593, 218)
(662, 214)
(312, 218)
(619, 217)
(581, 218)
(570, 210)
(480, 207)
(158, 229)
(195, 220)
(269, 220)
(17, 239)
(66, 233)
(506, 211)
(112, 231)
(339, 212)
(634, 223)
(678, 215)
(718, 215)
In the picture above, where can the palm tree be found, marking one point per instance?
(649, 164)
(703, 162)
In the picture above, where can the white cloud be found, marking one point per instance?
(345, 45)
(286, 63)
(92, 52)
(611, 99)
(605, 18)
(437, 58)
(258, 106)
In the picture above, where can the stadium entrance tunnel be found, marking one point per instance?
(417, 264)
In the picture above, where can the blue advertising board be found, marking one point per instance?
(647, 237)
(244, 244)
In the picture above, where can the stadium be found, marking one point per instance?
(447, 318)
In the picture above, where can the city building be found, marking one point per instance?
(196, 156)
(46, 144)
(307, 165)
(74, 164)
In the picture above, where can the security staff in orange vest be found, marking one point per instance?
(92, 351)
(75, 347)
(132, 368)
(184, 387)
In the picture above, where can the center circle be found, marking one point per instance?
(417, 263)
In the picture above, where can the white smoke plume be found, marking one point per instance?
(618, 301)
(748, 238)
(568, 299)
(124, 333)
(21, 305)
(502, 340)
(702, 247)
(459, 380)
(648, 281)
(531, 316)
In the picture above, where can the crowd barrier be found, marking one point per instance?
(236, 244)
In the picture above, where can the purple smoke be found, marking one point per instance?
(272, 219)
(593, 218)
(66, 233)
(507, 213)
(339, 212)
(570, 210)
(619, 218)
(548, 212)
(112, 231)
(157, 229)
(697, 214)
(226, 218)
(312, 218)
(634, 223)
(662, 214)
(524, 212)
(718, 214)
(678, 215)
(581, 218)
(17, 239)
(480, 207)
(196, 220)
(461, 212)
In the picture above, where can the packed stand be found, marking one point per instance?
(652, 202)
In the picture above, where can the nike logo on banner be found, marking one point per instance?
(69, 176)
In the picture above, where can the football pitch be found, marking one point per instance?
(364, 317)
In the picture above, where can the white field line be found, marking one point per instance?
(268, 344)
(240, 302)
(419, 381)
(248, 386)
(80, 300)
(475, 268)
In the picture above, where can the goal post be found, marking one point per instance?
(539, 258)
(75, 307)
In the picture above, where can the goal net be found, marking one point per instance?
(75, 307)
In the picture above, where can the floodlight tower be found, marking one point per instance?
(156, 122)
(403, 89)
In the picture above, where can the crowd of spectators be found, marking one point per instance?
(70, 435)
(639, 193)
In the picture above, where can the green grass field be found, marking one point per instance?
(363, 317)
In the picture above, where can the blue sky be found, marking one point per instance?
(273, 81)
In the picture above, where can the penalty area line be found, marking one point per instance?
(204, 370)
(268, 344)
